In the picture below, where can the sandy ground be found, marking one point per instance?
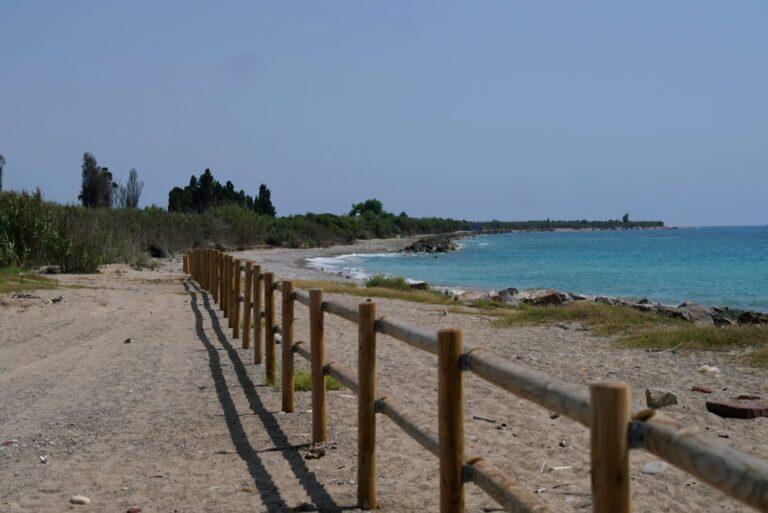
(178, 419)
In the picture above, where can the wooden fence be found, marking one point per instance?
(603, 407)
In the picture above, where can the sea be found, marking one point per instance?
(716, 266)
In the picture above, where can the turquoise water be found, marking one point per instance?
(713, 266)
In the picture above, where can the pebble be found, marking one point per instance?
(654, 467)
(79, 499)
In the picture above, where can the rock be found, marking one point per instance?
(752, 318)
(434, 244)
(656, 398)
(697, 314)
(420, 285)
(721, 319)
(80, 500)
(654, 467)
(507, 296)
(540, 297)
(134, 510)
(703, 390)
(155, 250)
(748, 397)
(127, 340)
(738, 410)
(707, 369)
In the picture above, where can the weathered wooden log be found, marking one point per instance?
(610, 448)
(236, 302)
(450, 411)
(317, 344)
(389, 407)
(563, 398)
(302, 297)
(742, 476)
(258, 341)
(269, 328)
(247, 304)
(366, 407)
(342, 311)
(343, 375)
(287, 346)
(509, 494)
(412, 336)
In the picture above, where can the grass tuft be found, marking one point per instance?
(302, 382)
(758, 358)
(387, 282)
(15, 280)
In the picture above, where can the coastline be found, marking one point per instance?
(296, 264)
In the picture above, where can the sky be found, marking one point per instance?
(474, 110)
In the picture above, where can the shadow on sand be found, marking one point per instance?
(270, 495)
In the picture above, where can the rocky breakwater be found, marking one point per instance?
(433, 244)
(691, 312)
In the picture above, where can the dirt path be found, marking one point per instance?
(179, 420)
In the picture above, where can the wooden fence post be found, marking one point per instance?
(450, 402)
(258, 343)
(221, 281)
(192, 263)
(224, 285)
(288, 332)
(269, 327)
(215, 276)
(366, 412)
(230, 290)
(247, 304)
(211, 268)
(207, 265)
(184, 266)
(317, 351)
(236, 299)
(610, 448)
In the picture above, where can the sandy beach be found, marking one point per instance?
(135, 395)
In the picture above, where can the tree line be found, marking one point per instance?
(206, 192)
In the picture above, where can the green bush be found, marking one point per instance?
(387, 282)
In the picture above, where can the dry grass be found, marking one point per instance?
(602, 319)
(416, 296)
(15, 280)
(709, 338)
(758, 358)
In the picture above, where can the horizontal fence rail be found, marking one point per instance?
(602, 407)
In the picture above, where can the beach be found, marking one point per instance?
(135, 395)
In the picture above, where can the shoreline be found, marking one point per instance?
(295, 263)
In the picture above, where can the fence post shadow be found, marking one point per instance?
(265, 485)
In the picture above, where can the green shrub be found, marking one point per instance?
(387, 282)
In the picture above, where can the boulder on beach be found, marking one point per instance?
(541, 297)
(434, 244)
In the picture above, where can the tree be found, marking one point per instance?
(97, 187)
(133, 189)
(2, 163)
(625, 218)
(263, 203)
(372, 205)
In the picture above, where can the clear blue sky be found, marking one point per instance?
(477, 110)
